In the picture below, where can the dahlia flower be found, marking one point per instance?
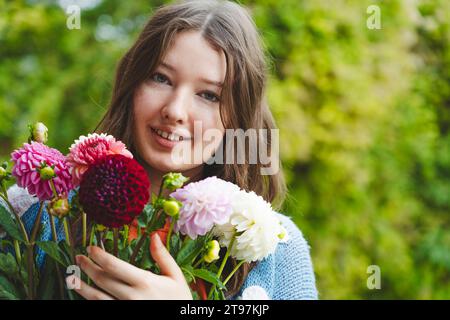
(114, 190)
(205, 203)
(255, 225)
(27, 161)
(87, 150)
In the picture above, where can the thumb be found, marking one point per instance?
(163, 258)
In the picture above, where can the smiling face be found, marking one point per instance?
(184, 88)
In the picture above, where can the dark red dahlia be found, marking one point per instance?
(114, 190)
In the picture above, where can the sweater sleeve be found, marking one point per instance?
(294, 276)
(285, 275)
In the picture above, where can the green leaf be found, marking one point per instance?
(65, 251)
(175, 244)
(146, 262)
(190, 249)
(146, 216)
(5, 243)
(48, 284)
(8, 290)
(9, 225)
(8, 264)
(52, 249)
(208, 276)
(188, 273)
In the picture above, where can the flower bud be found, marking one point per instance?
(59, 206)
(46, 172)
(173, 181)
(38, 132)
(171, 208)
(212, 254)
(100, 227)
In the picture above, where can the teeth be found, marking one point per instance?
(169, 136)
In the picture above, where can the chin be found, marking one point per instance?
(167, 165)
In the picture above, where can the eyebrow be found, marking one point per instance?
(215, 83)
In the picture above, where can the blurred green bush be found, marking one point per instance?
(364, 117)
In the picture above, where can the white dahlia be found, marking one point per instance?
(256, 226)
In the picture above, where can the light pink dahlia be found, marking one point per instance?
(29, 158)
(205, 203)
(88, 150)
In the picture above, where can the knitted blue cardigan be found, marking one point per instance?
(285, 275)
(288, 273)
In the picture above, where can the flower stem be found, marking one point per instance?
(222, 266)
(169, 234)
(91, 236)
(160, 189)
(17, 250)
(37, 223)
(58, 270)
(144, 235)
(53, 227)
(138, 247)
(116, 241)
(198, 263)
(52, 185)
(126, 231)
(234, 270)
(30, 267)
(66, 231)
(84, 228)
(4, 189)
(30, 251)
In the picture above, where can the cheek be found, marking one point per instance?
(146, 104)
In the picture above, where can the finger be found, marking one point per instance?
(116, 267)
(163, 258)
(86, 291)
(104, 280)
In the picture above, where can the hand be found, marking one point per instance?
(118, 279)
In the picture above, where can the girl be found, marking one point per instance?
(196, 62)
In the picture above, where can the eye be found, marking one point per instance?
(160, 78)
(210, 96)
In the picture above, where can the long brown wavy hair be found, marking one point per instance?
(226, 26)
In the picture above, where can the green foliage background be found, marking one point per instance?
(364, 117)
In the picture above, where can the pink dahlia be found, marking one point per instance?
(205, 203)
(114, 190)
(87, 150)
(29, 158)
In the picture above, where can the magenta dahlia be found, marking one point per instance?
(114, 190)
(28, 159)
(87, 150)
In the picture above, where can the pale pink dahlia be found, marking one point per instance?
(205, 203)
(88, 150)
(29, 158)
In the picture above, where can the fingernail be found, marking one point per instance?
(88, 250)
(77, 259)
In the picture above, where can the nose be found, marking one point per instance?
(175, 111)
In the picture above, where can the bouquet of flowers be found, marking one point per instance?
(98, 194)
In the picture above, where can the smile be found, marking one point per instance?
(168, 135)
